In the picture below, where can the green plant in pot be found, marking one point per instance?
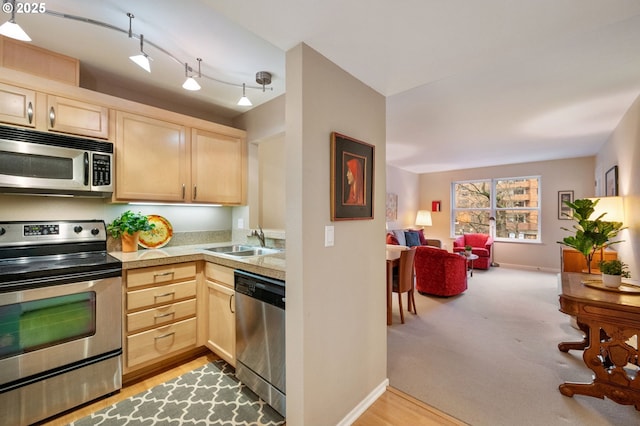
(613, 271)
(468, 249)
(127, 227)
(591, 235)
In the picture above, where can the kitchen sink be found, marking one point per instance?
(239, 250)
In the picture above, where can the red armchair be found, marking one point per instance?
(439, 272)
(480, 244)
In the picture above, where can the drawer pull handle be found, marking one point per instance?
(231, 304)
(165, 315)
(171, 293)
(163, 274)
(165, 335)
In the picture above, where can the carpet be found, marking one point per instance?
(209, 395)
(489, 356)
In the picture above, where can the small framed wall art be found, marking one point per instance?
(564, 211)
(611, 182)
(352, 178)
(392, 207)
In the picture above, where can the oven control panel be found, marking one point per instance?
(23, 233)
(45, 229)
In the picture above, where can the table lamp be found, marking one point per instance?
(423, 218)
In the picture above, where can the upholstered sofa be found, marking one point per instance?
(410, 238)
(480, 244)
(439, 272)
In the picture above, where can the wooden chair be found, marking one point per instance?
(403, 281)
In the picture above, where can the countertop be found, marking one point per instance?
(270, 265)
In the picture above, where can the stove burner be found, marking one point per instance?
(77, 247)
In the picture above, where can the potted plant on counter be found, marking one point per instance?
(127, 227)
(613, 271)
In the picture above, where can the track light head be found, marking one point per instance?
(244, 101)
(142, 60)
(10, 28)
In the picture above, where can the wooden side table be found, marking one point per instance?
(612, 318)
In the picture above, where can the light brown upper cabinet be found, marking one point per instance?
(151, 159)
(76, 117)
(17, 105)
(218, 168)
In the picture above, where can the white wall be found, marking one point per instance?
(405, 185)
(336, 321)
(264, 123)
(574, 174)
(623, 149)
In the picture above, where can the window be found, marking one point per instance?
(513, 202)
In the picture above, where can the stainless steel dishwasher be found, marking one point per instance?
(260, 337)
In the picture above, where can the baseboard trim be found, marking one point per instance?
(359, 409)
(529, 268)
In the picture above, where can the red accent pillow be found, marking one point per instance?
(391, 239)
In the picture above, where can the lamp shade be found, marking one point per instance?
(611, 207)
(423, 218)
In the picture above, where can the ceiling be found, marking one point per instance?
(468, 84)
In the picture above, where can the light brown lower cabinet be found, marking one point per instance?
(220, 312)
(160, 314)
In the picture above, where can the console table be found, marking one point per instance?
(610, 319)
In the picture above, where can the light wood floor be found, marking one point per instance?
(393, 408)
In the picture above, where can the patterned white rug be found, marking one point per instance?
(209, 395)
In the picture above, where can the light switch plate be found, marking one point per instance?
(328, 236)
(240, 223)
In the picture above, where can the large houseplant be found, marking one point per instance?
(127, 227)
(590, 235)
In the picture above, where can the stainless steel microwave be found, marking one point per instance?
(36, 162)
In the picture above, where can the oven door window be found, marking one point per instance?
(33, 325)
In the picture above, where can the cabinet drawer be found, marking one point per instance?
(160, 274)
(161, 341)
(160, 295)
(219, 273)
(160, 315)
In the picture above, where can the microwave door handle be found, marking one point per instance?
(86, 168)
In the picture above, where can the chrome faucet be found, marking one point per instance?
(260, 234)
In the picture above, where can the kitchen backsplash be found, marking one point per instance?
(182, 239)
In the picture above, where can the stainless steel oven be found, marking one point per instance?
(60, 318)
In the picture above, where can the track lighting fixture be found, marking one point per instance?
(190, 83)
(10, 28)
(263, 78)
(142, 60)
(244, 101)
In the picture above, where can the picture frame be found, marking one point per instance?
(391, 207)
(611, 182)
(565, 212)
(352, 178)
